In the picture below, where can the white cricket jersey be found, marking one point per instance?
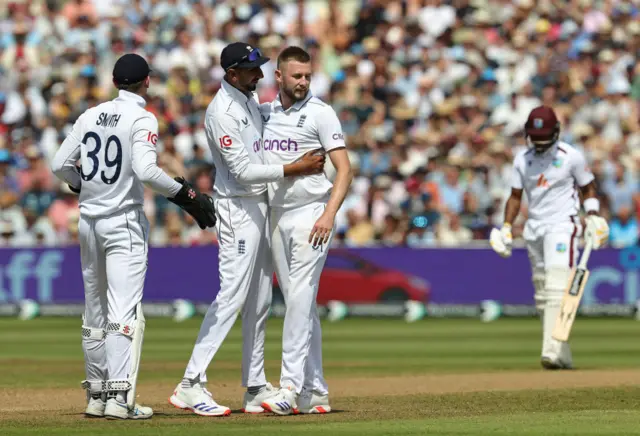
(115, 142)
(234, 133)
(309, 124)
(549, 180)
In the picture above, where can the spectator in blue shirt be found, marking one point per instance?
(624, 229)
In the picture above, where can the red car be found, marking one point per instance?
(351, 279)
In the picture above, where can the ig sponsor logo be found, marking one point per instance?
(152, 138)
(225, 141)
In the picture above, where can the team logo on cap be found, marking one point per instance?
(538, 123)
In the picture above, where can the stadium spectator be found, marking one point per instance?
(432, 96)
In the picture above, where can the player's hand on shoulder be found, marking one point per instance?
(501, 240)
(597, 231)
(196, 204)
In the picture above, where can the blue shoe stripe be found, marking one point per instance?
(203, 407)
(283, 406)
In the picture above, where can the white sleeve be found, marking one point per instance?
(580, 170)
(144, 158)
(63, 164)
(329, 129)
(516, 175)
(223, 134)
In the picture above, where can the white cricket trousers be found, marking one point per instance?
(113, 253)
(553, 252)
(245, 284)
(298, 266)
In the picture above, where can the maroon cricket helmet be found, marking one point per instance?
(542, 127)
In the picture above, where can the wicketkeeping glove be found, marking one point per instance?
(196, 204)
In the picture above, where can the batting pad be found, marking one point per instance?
(136, 352)
(556, 282)
(93, 333)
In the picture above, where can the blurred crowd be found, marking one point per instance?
(432, 95)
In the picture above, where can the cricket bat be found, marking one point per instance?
(572, 297)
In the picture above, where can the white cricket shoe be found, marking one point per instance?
(197, 399)
(311, 401)
(253, 403)
(118, 410)
(555, 363)
(283, 403)
(95, 407)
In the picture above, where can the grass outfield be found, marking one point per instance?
(386, 377)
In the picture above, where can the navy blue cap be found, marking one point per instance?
(130, 68)
(241, 55)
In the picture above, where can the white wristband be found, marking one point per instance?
(591, 205)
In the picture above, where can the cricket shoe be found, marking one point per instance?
(95, 406)
(253, 403)
(554, 364)
(118, 410)
(197, 399)
(311, 401)
(283, 403)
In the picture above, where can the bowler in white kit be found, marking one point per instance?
(553, 174)
(115, 142)
(234, 131)
(302, 222)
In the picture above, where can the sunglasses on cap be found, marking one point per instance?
(252, 56)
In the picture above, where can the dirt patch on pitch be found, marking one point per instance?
(434, 384)
(69, 401)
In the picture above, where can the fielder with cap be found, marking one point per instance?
(115, 143)
(234, 131)
(553, 174)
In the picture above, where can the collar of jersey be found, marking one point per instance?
(235, 93)
(296, 106)
(130, 96)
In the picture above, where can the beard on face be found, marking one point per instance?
(295, 94)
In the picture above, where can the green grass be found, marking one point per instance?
(588, 422)
(46, 353)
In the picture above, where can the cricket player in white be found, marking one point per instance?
(303, 213)
(234, 131)
(551, 172)
(115, 142)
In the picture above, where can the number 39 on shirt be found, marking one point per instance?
(95, 158)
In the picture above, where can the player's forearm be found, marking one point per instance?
(63, 164)
(251, 173)
(69, 174)
(146, 168)
(511, 210)
(590, 201)
(159, 181)
(344, 176)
